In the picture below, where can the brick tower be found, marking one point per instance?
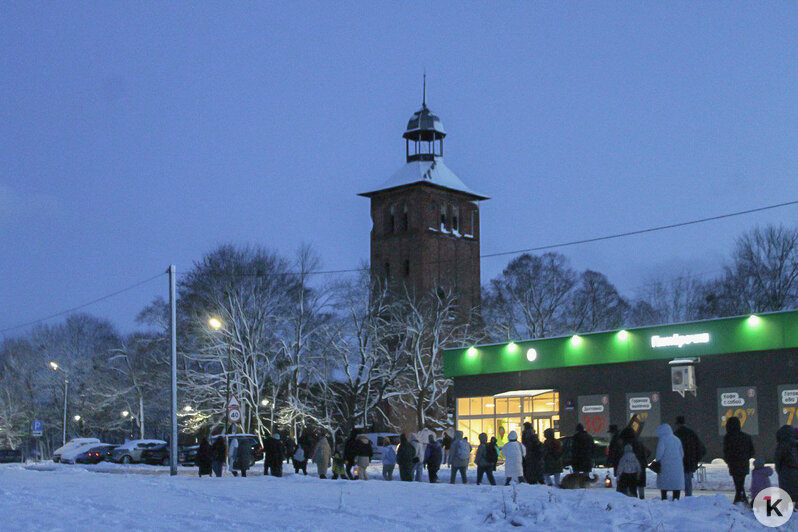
(425, 220)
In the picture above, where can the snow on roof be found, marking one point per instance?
(432, 172)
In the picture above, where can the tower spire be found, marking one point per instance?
(424, 92)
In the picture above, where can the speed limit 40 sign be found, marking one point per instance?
(234, 410)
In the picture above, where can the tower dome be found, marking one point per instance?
(424, 133)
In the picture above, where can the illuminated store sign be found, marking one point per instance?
(679, 340)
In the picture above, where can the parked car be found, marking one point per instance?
(130, 452)
(158, 455)
(96, 454)
(70, 445)
(187, 455)
(70, 456)
(600, 448)
(378, 439)
(8, 456)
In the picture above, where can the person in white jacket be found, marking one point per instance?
(670, 456)
(232, 454)
(418, 466)
(514, 454)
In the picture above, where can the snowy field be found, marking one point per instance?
(114, 497)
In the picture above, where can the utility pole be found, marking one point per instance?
(173, 331)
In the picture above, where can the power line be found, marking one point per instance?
(84, 305)
(641, 231)
(487, 255)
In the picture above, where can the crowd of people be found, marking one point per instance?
(676, 459)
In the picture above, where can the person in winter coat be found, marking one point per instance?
(459, 457)
(405, 456)
(321, 456)
(738, 449)
(300, 460)
(350, 453)
(388, 460)
(627, 472)
(629, 437)
(245, 457)
(760, 477)
(448, 434)
(433, 455)
(552, 458)
(614, 450)
(514, 454)
(338, 463)
(694, 451)
(204, 457)
(218, 453)
(364, 454)
(418, 462)
(273, 456)
(289, 448)
(495, 443)
(582, 451)
(786, 461)
(533, 459)
(670, 457)
(232, 455)
(486, 459)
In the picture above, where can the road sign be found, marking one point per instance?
(37, 428)
(234, 410)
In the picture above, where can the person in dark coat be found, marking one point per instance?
(629, 437)
(204, 457)
(245, 457)
(694, 451)
(350, 453)
(533, 460)
(405, 458)
(447, 444)
(289, 448)
(615, 450)
(552, 458)
(786, 461)
(582, 451)
(273, 456)
(738, 449)
(433, 456)
(218, 455)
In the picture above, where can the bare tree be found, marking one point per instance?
(595, 305)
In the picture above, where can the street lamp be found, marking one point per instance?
(76, 418)
(265, 402)
(125, 413)
(216, 324)
(187, 408)
(56, 367)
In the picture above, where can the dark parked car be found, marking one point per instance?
(157, 455)
(11, 455)
(188, 454)
(95, 455)
(600, 448)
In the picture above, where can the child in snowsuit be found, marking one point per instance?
(760, 477)
(628, 472)
(338, 468)
(300, 461)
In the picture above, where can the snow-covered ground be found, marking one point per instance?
(62, 497)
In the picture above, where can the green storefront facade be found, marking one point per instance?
(745, 366)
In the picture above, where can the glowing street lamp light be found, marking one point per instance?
(54, 366)
(76, 418)
(125, 413)
(265, 402)
(215, 323)
(187, 408)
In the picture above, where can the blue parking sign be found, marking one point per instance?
(37, 428)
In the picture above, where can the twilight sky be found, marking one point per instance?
(135, 135)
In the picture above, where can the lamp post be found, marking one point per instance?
(216, 324)
(56, 367)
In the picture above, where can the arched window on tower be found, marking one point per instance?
(443, 217)
(391, 220)
(455, 219)
(405, 220)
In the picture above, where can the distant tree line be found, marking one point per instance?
(299, 351)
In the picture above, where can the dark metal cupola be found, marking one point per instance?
(424, 134)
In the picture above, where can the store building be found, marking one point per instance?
(705, 370)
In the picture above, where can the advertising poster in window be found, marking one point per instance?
(741, 402)
(594, 413)
(644, 406)
(788, 404)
